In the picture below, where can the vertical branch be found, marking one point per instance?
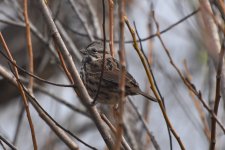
(103, 62)
(122, 75)
(111, 27)
(25, 102)
(217, 98)
(29, 46)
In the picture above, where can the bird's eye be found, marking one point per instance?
(94, 50)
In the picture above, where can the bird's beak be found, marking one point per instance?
(83, 51)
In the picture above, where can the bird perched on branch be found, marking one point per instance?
(91, 73)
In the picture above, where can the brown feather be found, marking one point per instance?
(112, 75)
(91, 72)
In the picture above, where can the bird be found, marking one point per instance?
(90, 73)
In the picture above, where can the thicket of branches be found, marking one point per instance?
(40, 83)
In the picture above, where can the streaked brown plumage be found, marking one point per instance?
(91, 72)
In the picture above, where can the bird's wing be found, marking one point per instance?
(112, 72)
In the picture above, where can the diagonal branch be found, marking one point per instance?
(24, 98)
(150, 78)
(80, 88)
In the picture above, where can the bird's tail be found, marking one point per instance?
(147, 96)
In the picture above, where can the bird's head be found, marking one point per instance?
(95, 50)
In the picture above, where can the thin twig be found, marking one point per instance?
(148, 37)
(154, 142)
(170, 27)
(74, 8)
(42, 113)
(8, 143)
(29, 46)
(122, 75)
(197, 105)
(178, 96)
(93, 18)
(68, 40)
(19, 122)
(217, 97)
(147, 104)
(32, 75)
(12, 23)
(150, 78)
(104, 50)
(111, 27)
(64, 65)
(8, 16)
(62, 101)
(36, 32)
(189, 85)
(25, 102)
(150, 68)
(55, 122)
(2, 145)
(55, 97)
(142, 39)
(124, 142)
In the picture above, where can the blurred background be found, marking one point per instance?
(190, 44)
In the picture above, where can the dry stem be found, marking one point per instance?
(29, 46)
(217, 98)
(122, 76)
(150, 78)
(25, 102)
(111, 27)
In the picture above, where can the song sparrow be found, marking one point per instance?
(91, 72)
